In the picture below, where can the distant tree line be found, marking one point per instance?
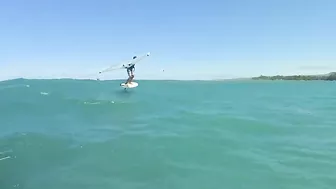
(328, 77)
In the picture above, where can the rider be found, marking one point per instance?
(130, 71)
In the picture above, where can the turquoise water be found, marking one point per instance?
(69, 134)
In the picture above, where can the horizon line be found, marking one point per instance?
(121, 79)
(157, 79)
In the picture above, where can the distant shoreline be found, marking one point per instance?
(324, 77)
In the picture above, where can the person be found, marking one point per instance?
(130, 71)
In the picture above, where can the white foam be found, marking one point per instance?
(5, 158)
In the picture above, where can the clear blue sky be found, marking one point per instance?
(189, 39)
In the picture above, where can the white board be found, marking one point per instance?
(129, 85)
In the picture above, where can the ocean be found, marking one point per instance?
(74, 134)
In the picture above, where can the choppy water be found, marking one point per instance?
(69, 134)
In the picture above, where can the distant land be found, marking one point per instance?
(322, 77)
(325, 77)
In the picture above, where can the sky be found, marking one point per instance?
(187, 39)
